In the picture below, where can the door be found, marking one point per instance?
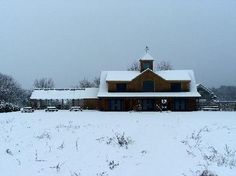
(180, 105)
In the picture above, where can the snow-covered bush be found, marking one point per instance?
(227, 158)
(8, 107)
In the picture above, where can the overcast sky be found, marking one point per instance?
(68, 40)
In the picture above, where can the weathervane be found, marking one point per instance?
(146, 49)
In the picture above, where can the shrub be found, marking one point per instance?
(8, 107)
(121, 140)
(207, 173)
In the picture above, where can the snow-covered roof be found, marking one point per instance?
(121, 75)
(173, 75)
(147, 56)
(64, 94)
(169, 75)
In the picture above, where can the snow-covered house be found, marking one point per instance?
(148, 90)
(145, 90)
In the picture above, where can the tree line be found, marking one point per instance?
(48, 83)
(225, 93)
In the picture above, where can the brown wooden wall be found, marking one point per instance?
(161, 85)
(91, 104)
(130, 103)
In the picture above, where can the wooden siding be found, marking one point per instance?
(160, 84)
(104, 104)
(90, 104)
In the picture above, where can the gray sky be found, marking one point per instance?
(72, 39)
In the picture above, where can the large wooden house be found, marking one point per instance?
(148, 90)
(144, 90)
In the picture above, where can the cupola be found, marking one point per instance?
(146, 61)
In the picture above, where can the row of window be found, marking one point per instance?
(148, 86)
(149, 105)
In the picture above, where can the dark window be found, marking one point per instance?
(146, 65)
(121, 87)
(175, 87)
(116, 105)
(148, 86)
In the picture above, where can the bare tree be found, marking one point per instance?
(44, 83)
(164, 65)
(135, 66)
(85, 83)
(96, 81)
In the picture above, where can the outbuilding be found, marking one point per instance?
(65, 98)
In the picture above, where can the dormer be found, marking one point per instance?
(146, 62)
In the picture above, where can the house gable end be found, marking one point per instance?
(150, 74)
(137, 84)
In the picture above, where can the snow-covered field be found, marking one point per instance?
(92, 143)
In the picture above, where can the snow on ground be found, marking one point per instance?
(90, 143)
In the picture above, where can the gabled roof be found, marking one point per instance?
(144, 71)
(186, 75)
(147, 57)
(168, 75)
(64, 94)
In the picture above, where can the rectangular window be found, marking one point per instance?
(148, 86)
(121, 87)
(175, 87)
(116, 105)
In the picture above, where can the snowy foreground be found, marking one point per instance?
(117, 144)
